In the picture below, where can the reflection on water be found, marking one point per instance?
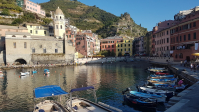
(109, 81)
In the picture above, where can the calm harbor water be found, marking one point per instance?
(109, 80)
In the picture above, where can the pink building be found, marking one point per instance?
(162, 38)
(70, 35)
(33, 7)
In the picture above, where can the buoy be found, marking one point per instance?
(44, 74)
(55, 71)
(19, 76)
(32, 75)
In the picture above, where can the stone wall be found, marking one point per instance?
(48, 58)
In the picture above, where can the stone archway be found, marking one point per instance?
(20, 61)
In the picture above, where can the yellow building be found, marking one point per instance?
(125, 47)
(37, 29)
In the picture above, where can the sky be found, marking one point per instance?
(145, 12)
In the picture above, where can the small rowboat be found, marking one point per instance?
(46, 71)
(34, 71)
(24, 73)
(160, 76)
(163, 80)
(161, 73)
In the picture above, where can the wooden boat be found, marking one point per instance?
(163, 80)
(154, 70)
(160, 76)
(49, 105)
(138, 101)
(167, 93)
(46, 71)
(75, 104)
(161, 73)
(34, 71)
(24, 73)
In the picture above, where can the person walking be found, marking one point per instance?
(180, 83)
(191, 66)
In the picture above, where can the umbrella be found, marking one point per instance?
(195, 54)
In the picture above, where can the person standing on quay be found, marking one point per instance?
(191, 66)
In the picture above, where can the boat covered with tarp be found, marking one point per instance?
(49, 105)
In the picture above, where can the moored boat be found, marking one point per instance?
(49, 105)
(75, 104)
(34, 71)
(46, 71)
(138, 101)
(24, 73)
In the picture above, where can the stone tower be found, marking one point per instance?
(59, 24)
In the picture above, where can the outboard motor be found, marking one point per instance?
(127, 89)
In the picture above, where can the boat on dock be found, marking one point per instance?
(48, 105)
(34, 71)
(75, 104)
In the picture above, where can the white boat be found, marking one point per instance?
(49, 105)
(25, 73)
(75, 104)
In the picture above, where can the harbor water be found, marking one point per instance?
(109, 80)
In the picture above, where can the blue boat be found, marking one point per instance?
(34, 71)
(163, 80)
(139, 99)
(161, 76)
(48, 91)
(46, 71)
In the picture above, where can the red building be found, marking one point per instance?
(184, 37)
(109, 43)
(70, 35)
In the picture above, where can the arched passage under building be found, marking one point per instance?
(20, 61)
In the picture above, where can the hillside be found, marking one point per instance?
(99, 21)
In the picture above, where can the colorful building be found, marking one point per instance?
(20, 3)
(162, 38)
(37, 29)
(109, 43)
(185, 37)
(33, 7)
(125, 47)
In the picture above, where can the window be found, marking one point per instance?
(14, 44)
(173, 47)
(56, 26)
(180, 38)
(44, 50)
(129, 45)
(125, 49)
(60, 17)
(36, 32)
(125, 45)
(102, 46)
(108, 46)
(112, 50)
(60, 26)
(121, 45)
(25, 45)
(167, 47)
(27, 6)
(28, 2)
(112, 46)
(118, 49)
(189, 37)
(129, 49)
(184, 37)
(30, 7)
(33, 50)
(176, 39)
(167, 40)
(44, 32)
(194, 35)
(194, 24)
(118, 45)
(171, 40)
(121, 49)
(56, 50)
(30, 26)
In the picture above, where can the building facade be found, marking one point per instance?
(109, 43)
(125, 47)
(37, 29)
(33, 7)
(185, 37)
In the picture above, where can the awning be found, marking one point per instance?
(48, 91)
(195, 54)
(81, 89)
